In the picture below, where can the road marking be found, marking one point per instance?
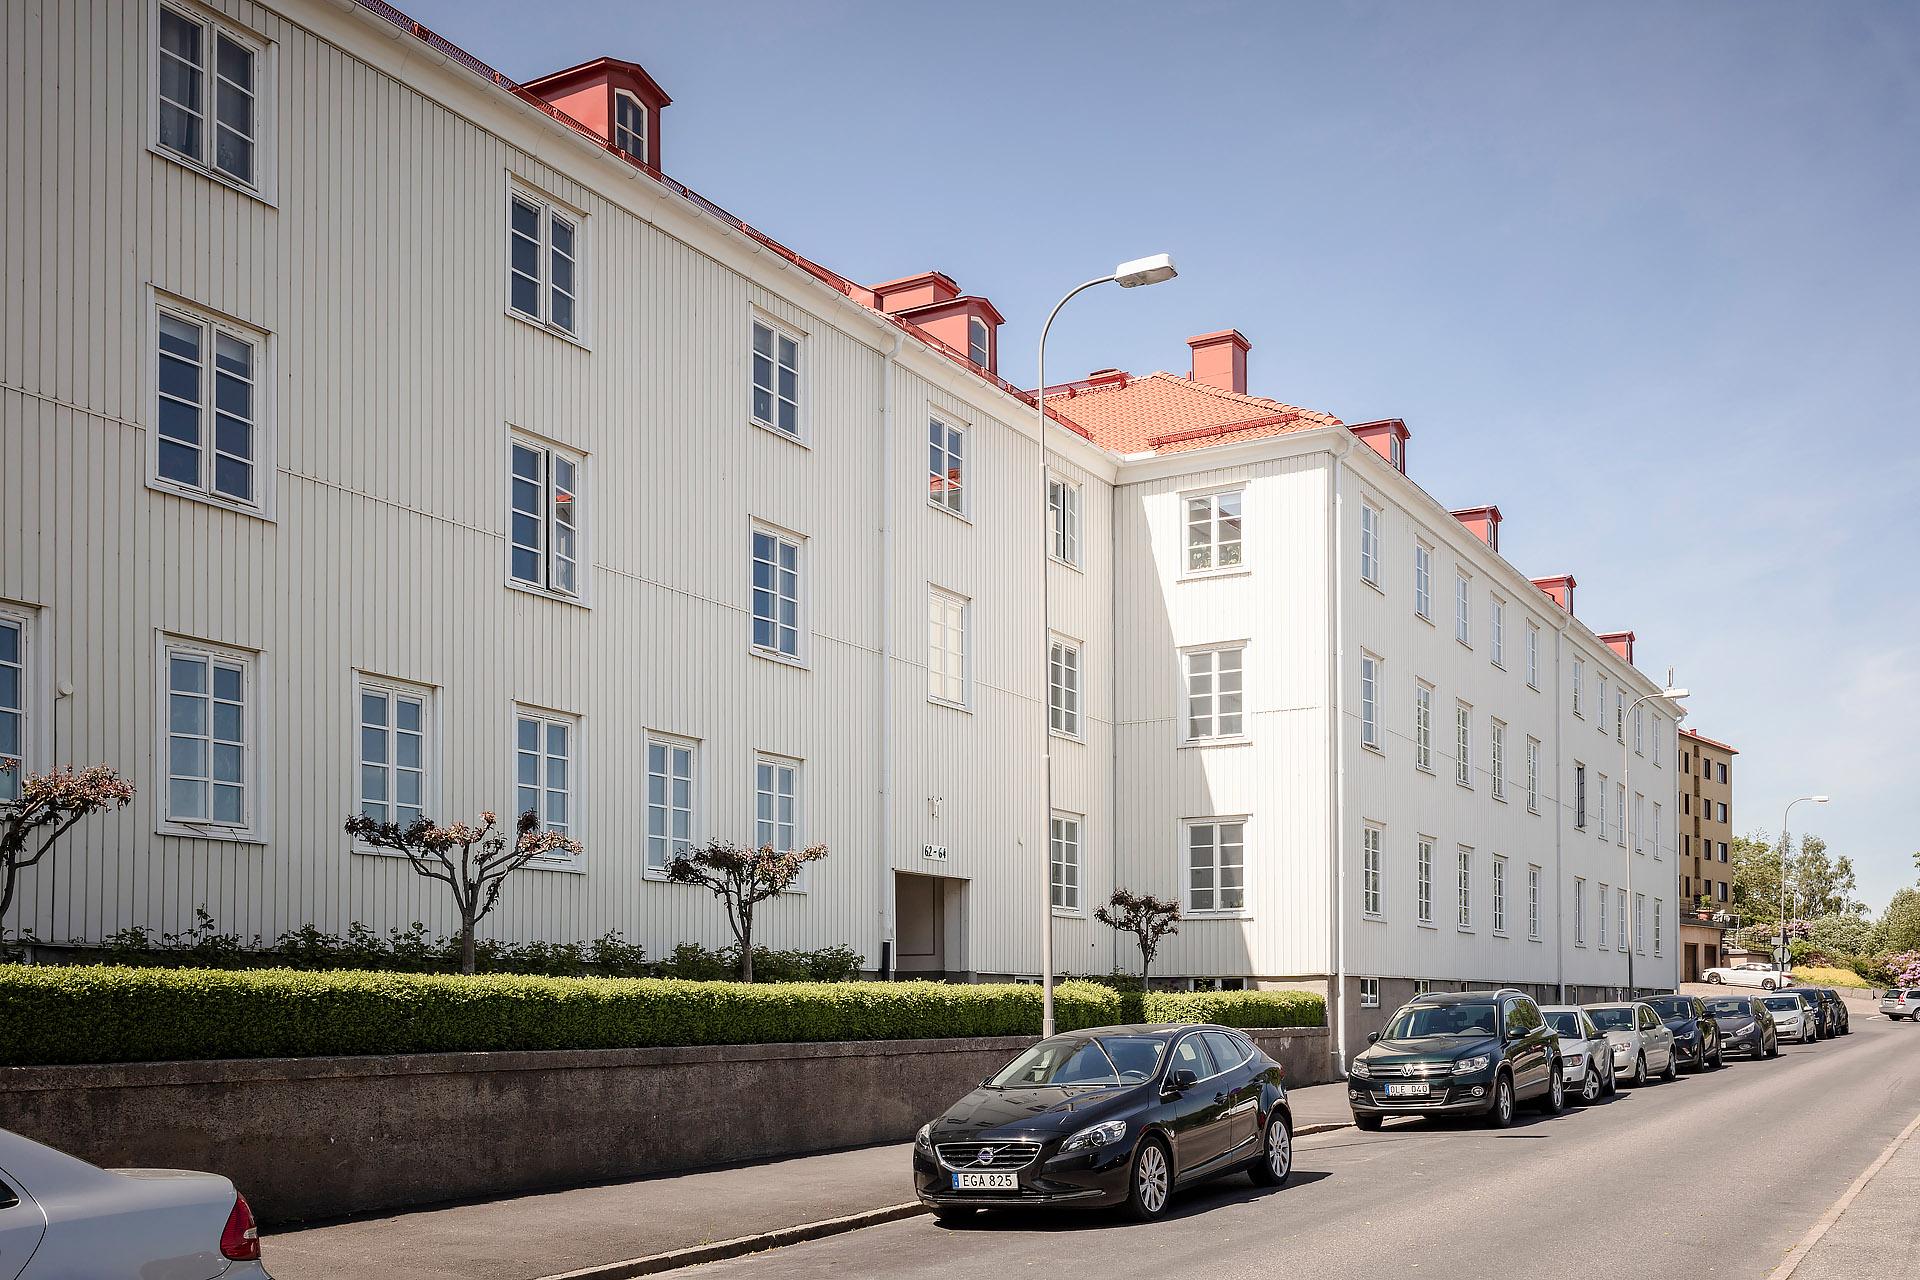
(1832, 1215)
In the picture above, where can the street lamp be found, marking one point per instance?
(1780, 958)
(1630, 817)
(1128, 275)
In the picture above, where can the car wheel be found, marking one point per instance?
(1276, 1160)
(1719, 1054)
(1773, 1050)
(1500, 1114)
(1554, 1100)
(1715, 979)
(1766, 984)
(1590, 1086)
(1810, 1036)
(1673, 1066)
(1639, 1076)
(1366, 1123)
(952, 1215)
(1152, 1181)
(1612, 1085)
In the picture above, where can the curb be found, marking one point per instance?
(674, 1259)
(1818, 1231)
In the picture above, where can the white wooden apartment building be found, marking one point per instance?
(370, 438)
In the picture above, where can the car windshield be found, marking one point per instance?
(1083, 1060)
(1617, 1018)
(1567, 1024)
(1670, 1006)
(1728, 1008)
(1422, 1021)
(1786, 1004)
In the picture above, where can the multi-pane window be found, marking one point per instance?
(1369, 701)
(1533, 655)
(630, 124)
(1603, 918)
(1619, 716)
(543, 262)
(1463, 888)
(1063, 520)
(13, 706)
(946, 466)
(1371, 839)
(1620, 812)
(1217, 865)
(1658, 905)
(1423, 727)
(776, 801)
(1423, 888)
(1533, 775)
(1369, 993)
(1369, 544)
(1600, 701)
(1639, 730)
(1423, 579)
(1639, 822)
(1620, 917)
(1580, 795)
(543, 759)
(545, 538)
(1497, 632)
(946, 647)
(1659, 726)
(669, 801)
(1213, 531)
(207, 416)
(1497, 759)
(1063, 687)
(200, 65)
(1463, 744)
(979, 342)
(209, 737)
(1580, 911)
(1533, 902)
(1579, 684)
(1215, 701)
(776, 593)
(1462, 608)
(393, 753)
(1640, 923)
(1602, 808)
(776, 379)
(1065, 839)
(1499, 894)
(1656, 829)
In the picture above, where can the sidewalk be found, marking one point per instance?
(552, 1233)
(1877, 1237)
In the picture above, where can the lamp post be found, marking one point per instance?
(1668, 694)
(1128, 275)
(1779, 959)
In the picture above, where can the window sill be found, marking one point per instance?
(1373, 917)
(218, 835)
(791, 438)
(1238, 740)
(1463, 928)
(961, 707)
(1426, 924)
(1065, 563)
(558, 597)
(206, 499)
(1202, 575)
(208, 171)
(961, 516)
(534, 322)
(1069, 913)
(1464, 786)
(1064, 736)
(1501, 933)
(1426, 769)
(1424, 617)
(1534, 937)
(1464, 644)
(565, 866)
(1497, 796)
(1219, 915)
(778, 658)
(1375, 748)
(1534, 809)
(1373, 583)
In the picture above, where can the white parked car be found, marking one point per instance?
(1642, 1042)
(1764, 976)
(1586, 1056)
(62, 1217)
(1794, 1018)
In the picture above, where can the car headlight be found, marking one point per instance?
(1361, 1071)
(1098, 1135)
(1749, 1029)
(924, 1138)
(1467, 1066)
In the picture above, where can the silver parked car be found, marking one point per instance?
(1586, 1058)
(1900, 1002)
(1642, 1043)
(61, 1218)
(1794, 1016)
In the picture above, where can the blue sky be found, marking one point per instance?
(1646, 276)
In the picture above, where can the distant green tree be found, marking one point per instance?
(1900, 924)
(1819, 884)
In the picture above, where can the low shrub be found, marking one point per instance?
(1827, 976)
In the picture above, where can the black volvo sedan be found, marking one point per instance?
(1108, 1116)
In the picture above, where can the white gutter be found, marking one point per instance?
(1336, 640)
(887, 961)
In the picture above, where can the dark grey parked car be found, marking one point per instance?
(1746, 1025)
(1833, 1010)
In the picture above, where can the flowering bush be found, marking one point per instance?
(742, 879)
(49, 805)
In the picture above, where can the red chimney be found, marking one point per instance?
(617, 100)
(927, 289)
(1560, 588)
(1220, 359)
(1485, 523)
(1621, 642)
(1388, 438)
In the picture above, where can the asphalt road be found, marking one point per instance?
(1719, 1174)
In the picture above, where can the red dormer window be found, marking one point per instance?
(979, 341)
(630, 124)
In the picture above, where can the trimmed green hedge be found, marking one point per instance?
(109, 1014)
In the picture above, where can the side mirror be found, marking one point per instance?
(1373, 1037)
(1180, 1079)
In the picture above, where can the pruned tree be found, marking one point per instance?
(473, 862)
(742, 879)
(50, 805)
(1147, 918)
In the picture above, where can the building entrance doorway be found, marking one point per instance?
(929, 925)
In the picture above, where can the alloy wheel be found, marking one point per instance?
(1590, 1087)
(1151, 1177)
(1279, 1150)
(1503, 1102)
(1640, 1070)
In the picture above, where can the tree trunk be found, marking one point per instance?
(1146, 960)
(466, 944)
(746, 948)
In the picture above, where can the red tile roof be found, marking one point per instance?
(1697, 735)
(1167, 413)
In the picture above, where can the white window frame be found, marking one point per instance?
(1369, 993)
(1463, 888)
(1580, 911)
(1463, 608)
(1423, 581)
(1066, 836)
(788, 767)
(1606, 798)
(392, 690)
(1619, 714)
(942, 608)
(252, 816)
(1497, 757)
(776, 331)
(1533, 655)
(1533, 775)
(1065, 680)
(546, 718)
(1497, 632)
(781, 538)
(1620, 902)
(1217, 824)
(1639, 923)
(1370, 736)
(1463, 744)
(547, 212)
(1579, 683)
(1212, 497)
(623, 134)
(1658, 850)
(1659, 909)
(1620, 814)
(948, 490)
(1659, 724)
(263, 184)
(213, 326)
(33, 708)
(1639, 731)
(1639, 822)
(670, 745)
(980, 338)
(1373, 841)
(1423, 726)
(1423, 882)
(1533, 902)
(1579, 796)
(1214, 716)
(1605, 906)
(1369, 544)
(1499, 895)
(1063, 521)
(553, 562)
